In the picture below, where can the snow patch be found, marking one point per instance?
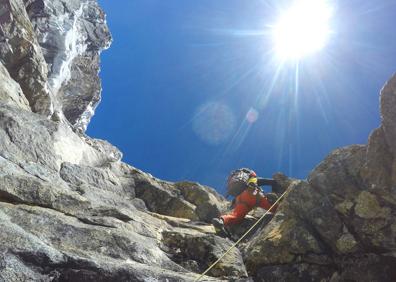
(70, 42)
(70, 148)
(86, 116)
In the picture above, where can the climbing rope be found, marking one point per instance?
(243, 236)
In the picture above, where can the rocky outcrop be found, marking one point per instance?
(22, 56)
(339, 225)
(388, 113)
(68, 205)
(10, 91)
(52, 48)
(196, 252)
(184, 199)
(71, 34)
(70, 210)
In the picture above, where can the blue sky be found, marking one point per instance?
(181, 76)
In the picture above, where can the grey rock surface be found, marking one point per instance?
(184, 199)
(196, 252)
(23, 57)
(10, 91)
(71, 35)
(340, 224)
(388, 112)
(52, 48)
(69, 211)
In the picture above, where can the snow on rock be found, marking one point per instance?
(69, 41)
(71, 34)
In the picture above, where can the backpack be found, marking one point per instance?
(238, 181)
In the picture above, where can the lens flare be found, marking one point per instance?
(252, 115)
(214, 123)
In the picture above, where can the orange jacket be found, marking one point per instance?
(245, 202)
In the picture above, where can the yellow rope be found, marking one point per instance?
(243, 236)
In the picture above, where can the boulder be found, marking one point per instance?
(208, 202)
(183, 199)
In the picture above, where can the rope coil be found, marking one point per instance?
(243, 236)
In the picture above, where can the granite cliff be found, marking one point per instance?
(71, 210)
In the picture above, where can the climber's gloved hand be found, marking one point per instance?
(277, 188)
(271, 197)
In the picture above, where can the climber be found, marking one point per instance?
(244, 185)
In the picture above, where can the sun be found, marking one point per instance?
(302, 29)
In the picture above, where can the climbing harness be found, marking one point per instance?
(243, 236)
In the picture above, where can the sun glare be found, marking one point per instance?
(302, 29)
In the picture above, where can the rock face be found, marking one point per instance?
(70, 210)
(184, 199)
(71, 34)
(22, 56)
(10, 91)
(340, 224)
(52, 48)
